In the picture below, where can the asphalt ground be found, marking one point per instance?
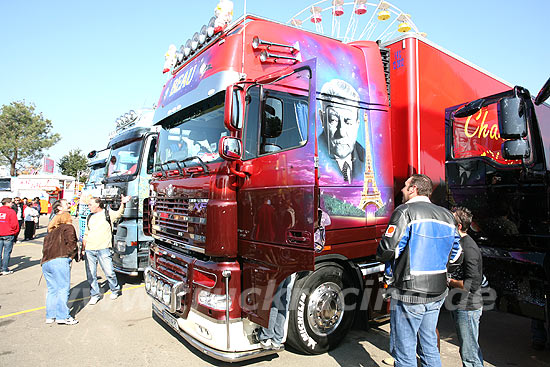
(123, 332)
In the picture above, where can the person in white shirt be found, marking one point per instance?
(97, 244)
(29, 214)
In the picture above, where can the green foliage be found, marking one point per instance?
(24, 134)
(70, 164)
(335, 206)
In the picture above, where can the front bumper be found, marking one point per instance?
(222, 355)
(207, 335)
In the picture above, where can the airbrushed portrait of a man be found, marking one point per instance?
(339, 150)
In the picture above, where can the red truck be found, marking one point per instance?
(267, 129)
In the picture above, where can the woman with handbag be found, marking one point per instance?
(60, 248)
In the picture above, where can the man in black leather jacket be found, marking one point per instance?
(420, 241)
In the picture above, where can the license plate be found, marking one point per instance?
(170, 320)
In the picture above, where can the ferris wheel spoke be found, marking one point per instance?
(370, 22)
(385, 30)
(346, 19)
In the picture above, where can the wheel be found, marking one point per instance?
(322, 309)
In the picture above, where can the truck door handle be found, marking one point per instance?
(297, 237)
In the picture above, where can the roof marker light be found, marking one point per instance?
(202, 35)
(210, 27)
(195, 42)
(187, 48)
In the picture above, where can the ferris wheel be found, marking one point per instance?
(355, 20)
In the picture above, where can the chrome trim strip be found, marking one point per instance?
(219, 354)
(206, 272)
(183, 245)
(372, 268)
(127, 272)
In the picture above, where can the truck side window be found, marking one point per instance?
(151, 156)
(251, 131)
(290, 108)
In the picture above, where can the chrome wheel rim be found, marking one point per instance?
(325, 308)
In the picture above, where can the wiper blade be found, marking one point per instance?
(171, 161)
(197, 158)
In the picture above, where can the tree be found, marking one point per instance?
(24, 134)
(70, 164)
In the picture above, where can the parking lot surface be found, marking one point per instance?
(123, 332)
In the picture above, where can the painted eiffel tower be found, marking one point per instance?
(369, 195)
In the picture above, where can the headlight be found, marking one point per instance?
(166, 293)
(121, 246)
(147, 281)
(213, 301)
(160, 286)
(154, 286)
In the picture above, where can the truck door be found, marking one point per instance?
(278, 199)
(509, 202)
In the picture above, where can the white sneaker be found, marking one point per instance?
(7, 272)
(114, 295)
(69, 321)
(50, 321)
(266, 344)
(94, 300)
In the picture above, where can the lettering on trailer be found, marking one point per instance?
(482, 130)
(398, 60)
(478, 136)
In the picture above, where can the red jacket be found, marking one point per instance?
(9, 225)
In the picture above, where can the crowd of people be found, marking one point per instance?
(430, 258)
(417, 284)
(61, 247)
(15, 215)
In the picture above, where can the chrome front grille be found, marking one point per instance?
(180, 221)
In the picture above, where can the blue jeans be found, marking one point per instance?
(57, 273)
(106, 262)
(6, 245)
(409, 322)
(277, 314)
(467, 329)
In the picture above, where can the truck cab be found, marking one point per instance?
(244, 170)
(92, 188)
(497, 165)
(128, 170)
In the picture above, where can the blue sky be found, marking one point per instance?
(84, 63)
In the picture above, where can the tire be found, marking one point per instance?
(330, 291)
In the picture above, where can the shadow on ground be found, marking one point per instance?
(18, 263)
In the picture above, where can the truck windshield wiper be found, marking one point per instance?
(171, 161)
(197, 158)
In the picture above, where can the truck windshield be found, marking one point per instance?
(124, 159)
(194, 136)
(97, 172)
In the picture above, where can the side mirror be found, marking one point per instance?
(231, 116)
(512, 121)
(92, 154)
(272, 118)
(515, 149)
(230, 148)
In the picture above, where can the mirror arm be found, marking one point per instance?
(236, 172)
